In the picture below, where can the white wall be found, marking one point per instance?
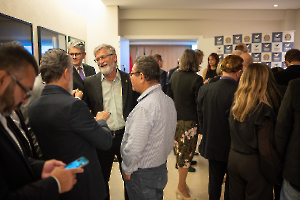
(102, 27)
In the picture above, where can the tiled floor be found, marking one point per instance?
(197, 181)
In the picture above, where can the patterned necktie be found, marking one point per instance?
(81, 73)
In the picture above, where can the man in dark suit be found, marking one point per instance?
(287, 137)
(213, 105)
(292, 61)
(110, 90)
(80, 70)
(163, 73)
(22, 177)
(65, 128)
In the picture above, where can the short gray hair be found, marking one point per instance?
(149, 67)
(78, 45)
(109, 48)
(53, 64)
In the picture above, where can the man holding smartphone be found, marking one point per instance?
(65, 127)
(22, 177)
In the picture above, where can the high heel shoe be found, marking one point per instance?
(184, 198)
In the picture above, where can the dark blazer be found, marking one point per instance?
(287, 133)
(66, 130)
(92, 94)
(163, 79)
(170, 74)
(283, 77)
(20, 176)
(183, 89)
(213, 105)
(77, 81)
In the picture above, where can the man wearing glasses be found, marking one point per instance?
(80, 70)
(110, 90)
(149, 135)
(22, 177)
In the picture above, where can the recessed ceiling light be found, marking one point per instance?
(275, 5)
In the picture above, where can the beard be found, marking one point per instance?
(7, 101)
(106, 70)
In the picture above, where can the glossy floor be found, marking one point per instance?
(197, 181)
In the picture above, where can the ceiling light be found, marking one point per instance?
(275, 5)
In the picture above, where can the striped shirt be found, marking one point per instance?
(149, 131)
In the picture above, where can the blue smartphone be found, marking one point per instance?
(80, 162)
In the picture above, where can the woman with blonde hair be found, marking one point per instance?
(252, 119)
(183, 88)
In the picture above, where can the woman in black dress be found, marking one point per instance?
(210, 71)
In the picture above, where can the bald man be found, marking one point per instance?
(247, 59)
(242, 46)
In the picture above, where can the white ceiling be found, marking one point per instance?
(204, 4)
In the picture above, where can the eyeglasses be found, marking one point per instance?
(132, 73)
(75, 54)
(102, 57)
(28, 95)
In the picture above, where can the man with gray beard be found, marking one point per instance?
(110, 90)
(65, 128)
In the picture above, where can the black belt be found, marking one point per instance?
(120, 131)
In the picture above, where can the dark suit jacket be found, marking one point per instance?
(183, 89)
(77, 81)
(19, 176)
(170, 74)
(66, 130)
(213, 106)
(92, 94)
(287, 133)
(163, 79)
(283, 77)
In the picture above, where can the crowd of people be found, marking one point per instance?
(246, 114)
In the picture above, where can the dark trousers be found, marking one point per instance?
(217, 170)
(106, 159)
(246, 181)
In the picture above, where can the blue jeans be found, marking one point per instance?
(288, 192)
(147, 183)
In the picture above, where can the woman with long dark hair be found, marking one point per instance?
(210, 71)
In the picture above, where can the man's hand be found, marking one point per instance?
(77, 93)
(49, 166)
(126, 177)
(102, 115)
(66, 177)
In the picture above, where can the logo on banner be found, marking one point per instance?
(288, 36)
(266, 57)
(247, 38)
(277, 36)
(276, 57)
(227, 49)
(256, 57)
(267, 47)
(228, 40)
(256, 37)
(267, 38)
(287, 46)
(237, 39)
(219, 40)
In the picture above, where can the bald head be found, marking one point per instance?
(242, 46)
(247, 59)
